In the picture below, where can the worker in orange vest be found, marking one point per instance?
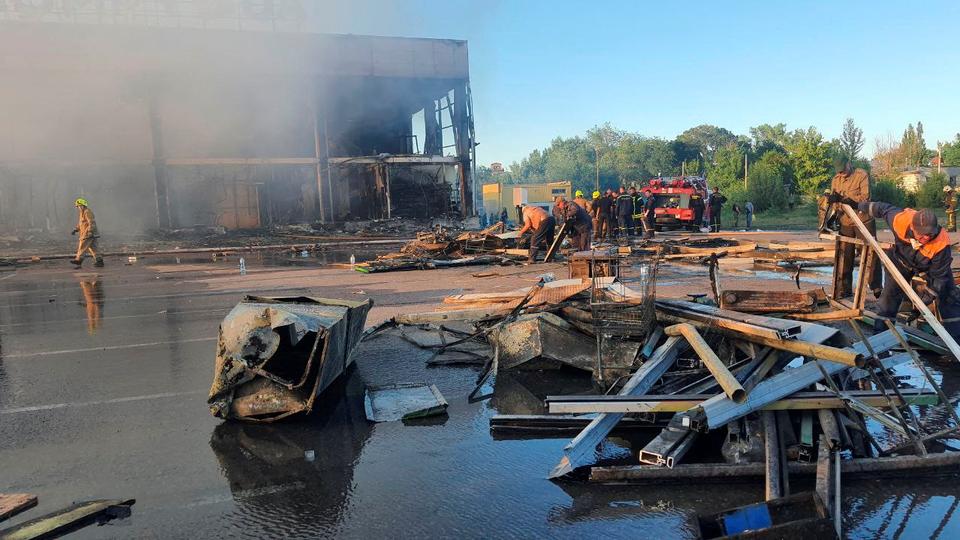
(920, 247)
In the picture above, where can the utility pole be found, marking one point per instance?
(596, 160)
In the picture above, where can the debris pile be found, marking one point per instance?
(438, 248)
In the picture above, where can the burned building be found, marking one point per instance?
(175, 127)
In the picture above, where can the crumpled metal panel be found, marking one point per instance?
(275, 355)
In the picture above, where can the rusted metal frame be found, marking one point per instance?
(926, 373)
(859, 294)
(828, 481)
(892, 272)
(868, 271)
(894, 386)
(577, 450)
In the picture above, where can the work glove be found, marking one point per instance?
(74, 232)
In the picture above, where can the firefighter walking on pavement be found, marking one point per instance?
(88, 233)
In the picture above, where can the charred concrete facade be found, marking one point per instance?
(169, 128)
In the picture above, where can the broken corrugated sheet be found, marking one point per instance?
(403, 401)
(275, 355)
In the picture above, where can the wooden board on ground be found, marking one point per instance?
(12, 504)
(752, 301)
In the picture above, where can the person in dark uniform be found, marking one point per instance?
(625, 212)
(579, 225)
(698, 206)
(716, 203)
(637, 211)
(649, 214)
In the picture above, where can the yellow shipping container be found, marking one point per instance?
(498, 196)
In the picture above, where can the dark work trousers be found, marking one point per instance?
(626, 224)
(614, 226)
(892, 296)
(846, 261)
(648, 227)
(542, 235)
(603, 227)
(581, 239)
(714, 221)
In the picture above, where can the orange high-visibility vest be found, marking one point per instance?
(901, 225)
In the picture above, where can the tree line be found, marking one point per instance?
(772, 166)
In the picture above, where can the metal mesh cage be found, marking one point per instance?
(624, 309)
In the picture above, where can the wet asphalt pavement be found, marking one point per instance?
(103, 383)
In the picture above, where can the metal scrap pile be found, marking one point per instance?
(437, 248)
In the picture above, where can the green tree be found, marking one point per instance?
(890, 192)
(706, 139)
(727, 169)
(769, 136)
(851, 140)
(930, 194)
(913, 146)
(810, 159)
(767, 185)
(950, 152)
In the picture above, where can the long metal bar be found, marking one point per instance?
(683, 402)
(719, 410)
(580, 450)
(892, 272)
(771, 445)
(729, 383)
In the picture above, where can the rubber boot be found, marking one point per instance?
(99, 263)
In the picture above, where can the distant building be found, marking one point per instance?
(498, 196)
(912, 179)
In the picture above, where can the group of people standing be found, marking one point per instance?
(623, 213)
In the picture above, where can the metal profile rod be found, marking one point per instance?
(771, 445)
(719, 410)
(892, 271)
(580, 450)
(729, 383)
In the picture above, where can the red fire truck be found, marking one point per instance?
(672, 201)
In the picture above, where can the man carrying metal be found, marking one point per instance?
(950, 203)
(87, 230)
(920, 247)
(852, 184)
(541, 226)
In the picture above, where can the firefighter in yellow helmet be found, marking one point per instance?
(88, 233)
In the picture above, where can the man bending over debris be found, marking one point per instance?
(579, 225)
(920, 246)
(541, 225)
(87, 229)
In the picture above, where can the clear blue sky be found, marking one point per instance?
(541, 69)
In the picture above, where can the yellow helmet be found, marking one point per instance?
(81, 202)
(578, 193)
(596, 194)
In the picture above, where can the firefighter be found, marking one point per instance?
(716, 206)
(594, 208)
(648, 214)
(579, 225)
(698, 206)
(822, 207)
(920, 247)
(542, 227)
(950, 203)
(638, 203)
(605, 215)
(89, 235)
(625, 212)
(853, 184)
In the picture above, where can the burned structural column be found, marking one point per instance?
(159, 164)
(432, 136)
(464, 143)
